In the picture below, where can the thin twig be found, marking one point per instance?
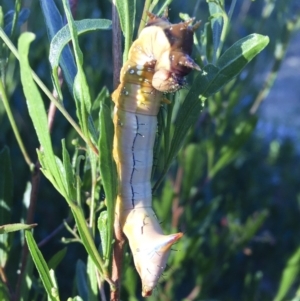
(54, 232)
(118, 247)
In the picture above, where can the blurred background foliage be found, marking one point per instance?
(233, 191)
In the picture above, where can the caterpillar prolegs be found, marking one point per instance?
(157, 62)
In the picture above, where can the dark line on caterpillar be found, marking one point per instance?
(144, 224)
(133, 159)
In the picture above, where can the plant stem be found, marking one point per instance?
(14, 126)
(118, 248)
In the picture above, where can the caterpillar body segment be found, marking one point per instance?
(157, 62)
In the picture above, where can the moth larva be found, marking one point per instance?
(157, 62)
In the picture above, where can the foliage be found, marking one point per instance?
(211, 172)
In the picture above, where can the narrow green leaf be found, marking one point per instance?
(54, 281)
(92, 281)
(211, 80)
(62, 38)
(42, 267)
(80, 88)
(189, 111)
(126, 11)
(252, 225)
(235, 58)
(37, 111)
(15, 19)
(34, 101)
(87, 239)
(216, 22)
(70, 179)
(107, 168)
(54, 23)
(15, 227)
(102, 228)
(56, 259)
(164, 6)
(289, 276)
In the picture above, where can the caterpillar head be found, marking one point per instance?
(174, 43)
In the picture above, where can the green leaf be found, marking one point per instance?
(34, 101)
(234, 59)
(92, 281)
(56, 259)
(252, 225)
(216, 22)
(165, 4)
(107, 169)
(80, 88)
(211, 80)
(15, 227)
(37, 113)
(102, 228)
(54, 23)
(126, 11)
(70, 179)
(15, 19)
(42, 267)
(87, 239)
(289, 276)
(62, 38)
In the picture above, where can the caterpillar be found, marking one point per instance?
(157, 63)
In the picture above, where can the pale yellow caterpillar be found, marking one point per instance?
(157, 62)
